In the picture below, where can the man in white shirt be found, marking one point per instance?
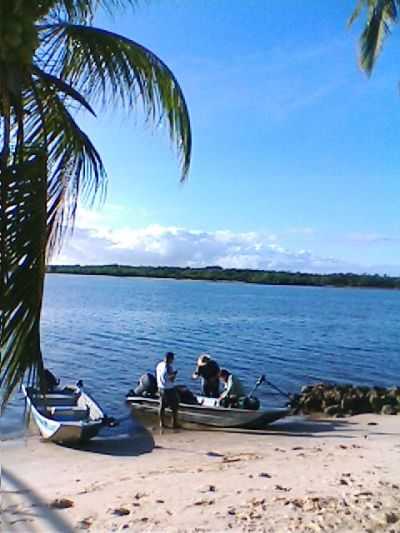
(168, 394)
(233, 389)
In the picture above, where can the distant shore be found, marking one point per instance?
(215, 273)
(299, 475)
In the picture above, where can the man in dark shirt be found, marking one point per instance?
(208, 371)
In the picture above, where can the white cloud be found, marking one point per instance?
(93, 242)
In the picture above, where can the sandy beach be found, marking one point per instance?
(299, 475)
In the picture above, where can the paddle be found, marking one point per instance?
(263, 379)
(289, 396)
(260, 380)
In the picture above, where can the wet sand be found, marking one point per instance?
(299, 475)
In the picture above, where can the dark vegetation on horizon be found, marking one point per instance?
(216, 273)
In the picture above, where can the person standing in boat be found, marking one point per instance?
(168, 394)
(208, 370)
(233, 389)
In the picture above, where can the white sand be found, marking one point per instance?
(315, 475)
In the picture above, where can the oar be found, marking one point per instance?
(260, 380)
(289, 396)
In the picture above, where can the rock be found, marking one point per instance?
(264, 474)
(86, 523)
(391, 518)
(388, 409)
(279, 487)
(61, 503)
(121, 511)
(348, 403)
(204, 502)
(313, 403)
(332, 397)
(393, 392)
(332, 410)
(344, 387)
(375, 401)
(214, 454)
(344, 399)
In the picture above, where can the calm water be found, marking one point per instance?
(108, 331)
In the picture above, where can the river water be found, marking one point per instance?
(108, 331)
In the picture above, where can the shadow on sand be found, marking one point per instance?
(295, 426)
(129, 438)
(23, 516)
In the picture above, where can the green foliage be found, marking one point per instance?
(52, 63)
(23, 266)
(381, 15)
(216, 273)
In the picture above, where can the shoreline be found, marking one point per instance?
(169, 273)
(300, 474)
(227, 281)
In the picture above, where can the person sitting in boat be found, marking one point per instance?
(50, 382)
(233, 389)
(208, 370)
(168, 394)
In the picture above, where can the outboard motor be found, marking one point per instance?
(50, 382)
(186, 395)
(147, 386)
(249, 402)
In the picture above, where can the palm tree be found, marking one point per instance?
(381, 15)
(52, 63)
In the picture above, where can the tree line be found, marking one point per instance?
(217, 273)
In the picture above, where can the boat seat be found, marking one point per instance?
(55, 399)
(69, 413)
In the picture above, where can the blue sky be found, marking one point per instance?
(295, 153)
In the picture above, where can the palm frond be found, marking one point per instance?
(75, 166)
(80, 11)
(108, 68)
(37, 205)
(361, 5)
(47, 161)
(61, 86)
(381, 14)
(23, 212)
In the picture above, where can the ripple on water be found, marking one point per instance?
(108, 331)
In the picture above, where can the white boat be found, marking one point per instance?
(67, 415)
(208, 412)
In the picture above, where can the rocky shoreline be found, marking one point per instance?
(342, 400)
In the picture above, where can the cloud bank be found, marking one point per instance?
(156, 245)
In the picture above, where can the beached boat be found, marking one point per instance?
(208, 412)
(67, 415)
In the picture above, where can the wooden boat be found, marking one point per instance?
(208, 412)
(67, 415)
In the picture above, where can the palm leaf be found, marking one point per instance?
(108, 68)
(75, 166)
(78, 11)
(36, 207)
(47, 161)
(361, 5)
(23, 210)
(381, 14)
